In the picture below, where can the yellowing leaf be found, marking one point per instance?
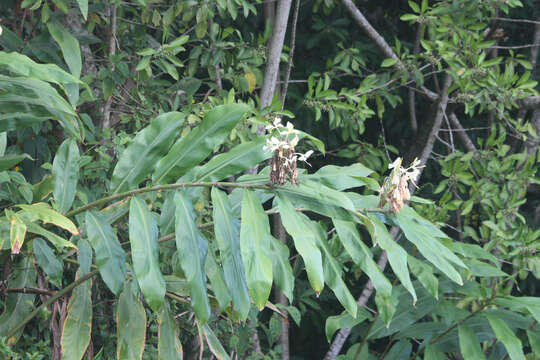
(17, 234)
(48, 215)
(252, 80)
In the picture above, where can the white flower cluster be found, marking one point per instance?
(287, 138)
(395, 189)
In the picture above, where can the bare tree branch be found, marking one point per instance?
(291, 54)
(106, 123)
(461, 133)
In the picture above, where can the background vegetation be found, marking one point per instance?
(146, 212)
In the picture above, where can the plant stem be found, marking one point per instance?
(105, 200)
(51, 300)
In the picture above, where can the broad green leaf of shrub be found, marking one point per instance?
(65, 172)
(131, 325)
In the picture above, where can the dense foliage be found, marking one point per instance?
(253, 179)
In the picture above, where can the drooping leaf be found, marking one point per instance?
(305, 241)
(84, 256)
(333, 273)
(505, 335)
(215, 275)
(281, 268)
(169, 346)
(110, 257)
(228, 241)
(130, 325)
(361, 255)
(432, 352)
(534, 341)
(424, 273)
(45, 213)
(386, 306)
(65, 172)
(78, 323)
(255, 247)
(213, 343)
(143, 234)
(83, 5)
(199, 143)
(17, 306)
(192, 248)
(48, 261)
(399, 351)
(469, 344)
(343, 321)
(54, 239)
(397, 256)
(149, 146)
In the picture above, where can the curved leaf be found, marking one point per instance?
(281, 268)
(192, 248)
(57, 241)
(48, 261)
(505, 335)
(254, 246)
(110, 257)
(78, 323)
(143, 233)
(215, 275)
(17, 233)
(45, 213)
(469, 344)
(69, 46)
(140, 157)
(169, 346)
(343, 321)
(213, 343)
(340, 177)
(65, 172)
(9, 161)
(199, 143)
(228, 241)
(130, 325)
(305, 241)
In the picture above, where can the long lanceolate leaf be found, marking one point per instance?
(131, 325)
(169, 346)
(65, 172)
(469, 344)
(199, 143)
(228, 241)
(45, 213)
(505, 335)
(141, 156)
(18, 305)
(143, 234)
(192, 249)
(78, 323)
(110, 257)
(281, 268)
(305, 241)
(255, 245)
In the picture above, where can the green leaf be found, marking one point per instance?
(48, 261)
(54, 239)
(130, 325)
(78, 323)
(432, 352)
(399, 351)
(110, 257)
(235, 161)
(18, 306)
(84, 256)
(361, 255)
(199, 143)
(215, 275)
(3, 143)
(340, 177)
(386, 306)
(178, 41)
(424, 274)
(169, 346)
(192, 248)
(305, 241)
(228, 241)
(150, 145)
(255, 246)
(534, 342)
(9, 161)
(469, 344)
(430, 247)
(45, 213)
(281, 268)
(213, 343)
(344, 321)
(397, 256)
(83, 5)
(65, 174)
(143, 234)
(69, 46)
(389, 62)
(505, 335)
(333, 273)
(143, 64)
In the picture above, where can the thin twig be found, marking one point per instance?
(291, 54)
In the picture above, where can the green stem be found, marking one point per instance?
(125, 194)
(51, 300)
